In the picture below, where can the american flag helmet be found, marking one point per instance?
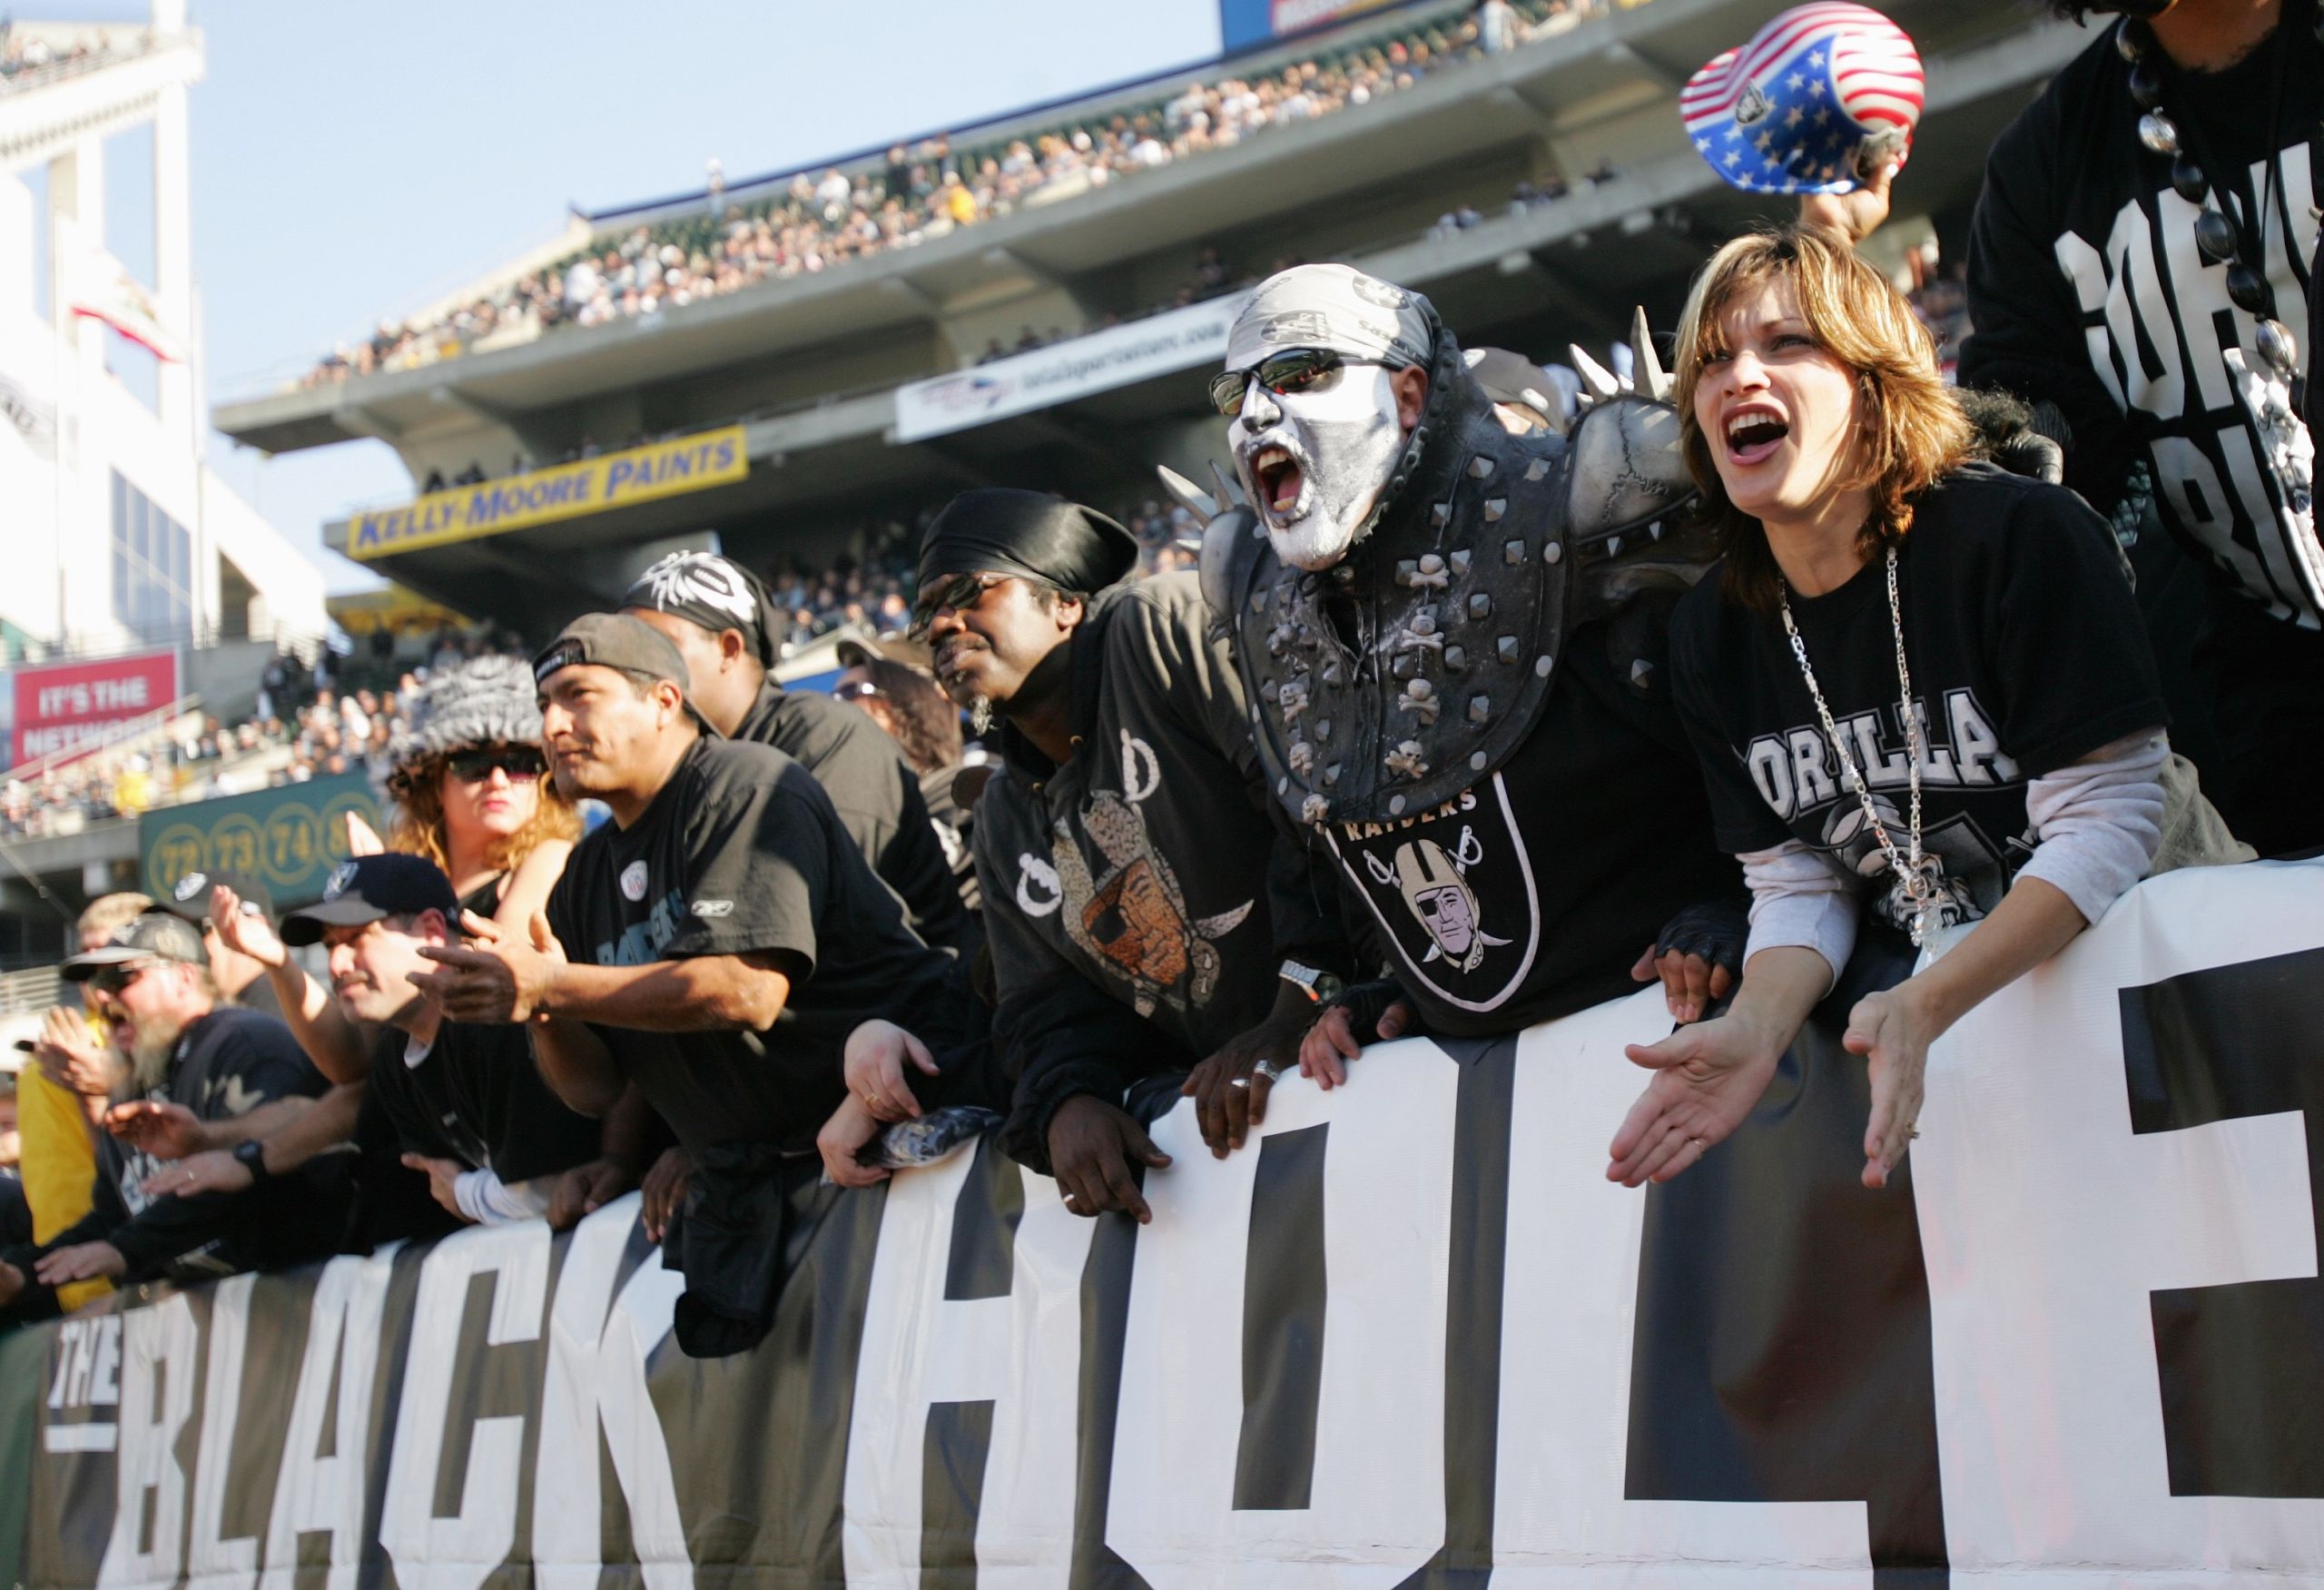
(1820, 93)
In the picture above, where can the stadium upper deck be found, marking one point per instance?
(819, 369)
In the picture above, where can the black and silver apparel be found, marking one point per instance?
(1141, 897)
(878, 798)
(2089, 289)
(741, 852)
(474, 1095)
(2026, 656)
(1470, 707)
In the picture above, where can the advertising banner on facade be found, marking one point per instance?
(633, 475)
(1099, 362)
(1245, 23)
(290, 837)
(1409, 1336)
(67, 709)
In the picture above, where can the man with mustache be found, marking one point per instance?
(186, 1046)
(1452, 636)
(1123, 848)
(714, 943)
(719, 618)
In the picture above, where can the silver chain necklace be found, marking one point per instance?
(1914, 897)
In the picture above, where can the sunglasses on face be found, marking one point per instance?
(959, 592)
(519, 761)
(1295, 370)
(113, 979)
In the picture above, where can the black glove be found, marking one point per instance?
(1366, 1003)
(1716, 931)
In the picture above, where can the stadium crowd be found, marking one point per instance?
(767, 976)
(820, 221)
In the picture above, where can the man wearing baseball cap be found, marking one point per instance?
(460, 1105)
(719, 617)
(183, 1045)
(714, 943)
(239, 977)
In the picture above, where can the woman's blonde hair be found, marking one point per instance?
(1914, 432)
(417, 828)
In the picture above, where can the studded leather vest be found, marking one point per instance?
(1416, 666)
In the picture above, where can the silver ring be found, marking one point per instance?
(1268, 1069)
(1069, 1198)
(1912, 1134)
(1238, 1081)
(1698, 1142)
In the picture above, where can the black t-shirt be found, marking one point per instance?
(1529, 896)
(226, 1064)
(2085, 288)
(741, 851)
(878, 798)
(2025, 651)
(476, 1096)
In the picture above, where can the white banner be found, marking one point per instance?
(1099, 362)
(2107, 1273)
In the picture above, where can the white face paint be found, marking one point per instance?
(1315, 461)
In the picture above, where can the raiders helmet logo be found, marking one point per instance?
(1299, 326)
(192, 887)
(342, 878)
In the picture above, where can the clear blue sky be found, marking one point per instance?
(354, 158)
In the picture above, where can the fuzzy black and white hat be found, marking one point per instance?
(485, 701)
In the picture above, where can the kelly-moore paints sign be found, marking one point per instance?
(637, 474)
(1409, 1337)
(1099, 362)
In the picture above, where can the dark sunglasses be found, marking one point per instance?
(959, 592)
(112, 980)
(519, 761)
(1295, 370)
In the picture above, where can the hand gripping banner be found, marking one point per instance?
(1409, 1337)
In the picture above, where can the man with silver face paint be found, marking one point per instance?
(1452, 631)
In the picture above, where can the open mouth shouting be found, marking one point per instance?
(1279, 481)
(1753, 431)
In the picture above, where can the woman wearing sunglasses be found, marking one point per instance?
(467, 779)
(1918, 687)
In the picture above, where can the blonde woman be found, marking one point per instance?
(1918, 687)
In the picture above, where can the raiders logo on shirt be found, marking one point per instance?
(1453, 891)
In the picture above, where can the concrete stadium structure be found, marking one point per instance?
(812, 367)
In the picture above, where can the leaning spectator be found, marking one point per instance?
(182, 1044)
(909, 707)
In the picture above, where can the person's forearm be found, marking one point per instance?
(314, 1018)
(2034, 922)
(261, 1123)
(1780, 986)
(627, 1133)
(323, 1124)
(578, 1067)
(706, 993)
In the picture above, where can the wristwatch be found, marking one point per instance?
(1320, 987)
(252, 1156)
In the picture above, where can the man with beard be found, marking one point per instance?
(463, 1105)
(183, 1045)
(714, 943)
(719, 618)
(1453, 635)
(1123, 848)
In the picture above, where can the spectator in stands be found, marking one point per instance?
(714, 943)
(240, 978)
(721, 619)
(1827, 449)
(908, 708)
(2233, 619)
(181, 1045)
(463, 1103)
(853, 213)
(1124, 827)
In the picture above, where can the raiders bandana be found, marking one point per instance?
(1335, 307)
(713, 592)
